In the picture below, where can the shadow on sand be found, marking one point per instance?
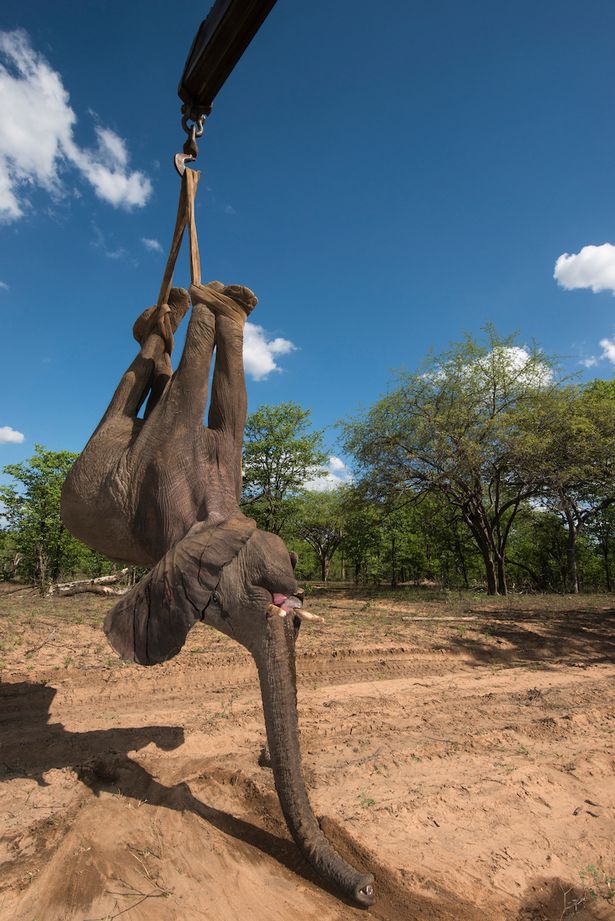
(570, 638)
(30, 746)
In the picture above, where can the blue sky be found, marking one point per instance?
(385, 177)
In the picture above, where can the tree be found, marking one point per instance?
(40, 542)
(537, 550)
(280, 455)
(451, 430)
(362, 535)
(318, 520)
(569, 448)
(602, 530)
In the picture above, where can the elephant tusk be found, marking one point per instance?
(306, 615)
(274, 609)
(297, 612)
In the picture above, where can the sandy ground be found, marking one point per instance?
(461, 750)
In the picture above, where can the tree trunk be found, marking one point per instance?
(276, 671)
(571, 560)
(393, 563)
(501, 576)
(325, 564)
(481, 536)
(492, 582)
(571, 555)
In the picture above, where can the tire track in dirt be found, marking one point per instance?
(455, 780)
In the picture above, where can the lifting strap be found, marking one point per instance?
(185, 216)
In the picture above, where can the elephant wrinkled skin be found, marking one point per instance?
(163, 491)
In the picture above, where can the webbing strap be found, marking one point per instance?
(185, 215)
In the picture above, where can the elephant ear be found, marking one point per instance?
(151, 622)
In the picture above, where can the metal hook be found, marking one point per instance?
(191, 150)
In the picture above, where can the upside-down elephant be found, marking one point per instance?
(163, 491)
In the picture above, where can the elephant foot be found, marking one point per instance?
(162, 320)
(234, 301)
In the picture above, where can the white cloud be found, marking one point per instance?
(336, 464)
(260, 353)
(608, 349)
(589, 362)
(9, 436)
(518, 362)
(336, 474)
(228, 209)
(4, 286)
(593, 267)
(152, 245)
(105, 168)
(37, 142)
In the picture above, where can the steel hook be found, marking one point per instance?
(191, 149)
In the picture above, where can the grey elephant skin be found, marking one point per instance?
(163, 491)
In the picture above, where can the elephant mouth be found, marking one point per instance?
(287, 602)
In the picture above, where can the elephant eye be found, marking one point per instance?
(215, 597)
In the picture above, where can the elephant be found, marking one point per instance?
(163, 491)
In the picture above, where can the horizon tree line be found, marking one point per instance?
(485, 467)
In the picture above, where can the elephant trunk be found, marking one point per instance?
(276, 670)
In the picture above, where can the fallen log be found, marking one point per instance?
(98, 586)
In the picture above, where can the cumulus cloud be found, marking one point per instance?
(536, 373)
(260, 352)
(335, 474)
(105, 167)
(9, 436)
(152, 245)
(32, 94)
(608, 349)
(518, 362)
(592, 267)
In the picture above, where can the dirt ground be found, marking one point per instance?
(462, 750)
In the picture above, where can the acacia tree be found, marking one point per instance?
(280, 455)
(452, 430)
(569, 447)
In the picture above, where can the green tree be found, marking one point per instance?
(280, 455)
(318, 520)
(537, 550)
(44, 549)
(569, 449)
(601, 529)
(451, 430)
(362, 533)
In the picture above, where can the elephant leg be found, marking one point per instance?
(228, 408)
(183, 402)
(229, 401)
(151, 368)
(165, 327)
